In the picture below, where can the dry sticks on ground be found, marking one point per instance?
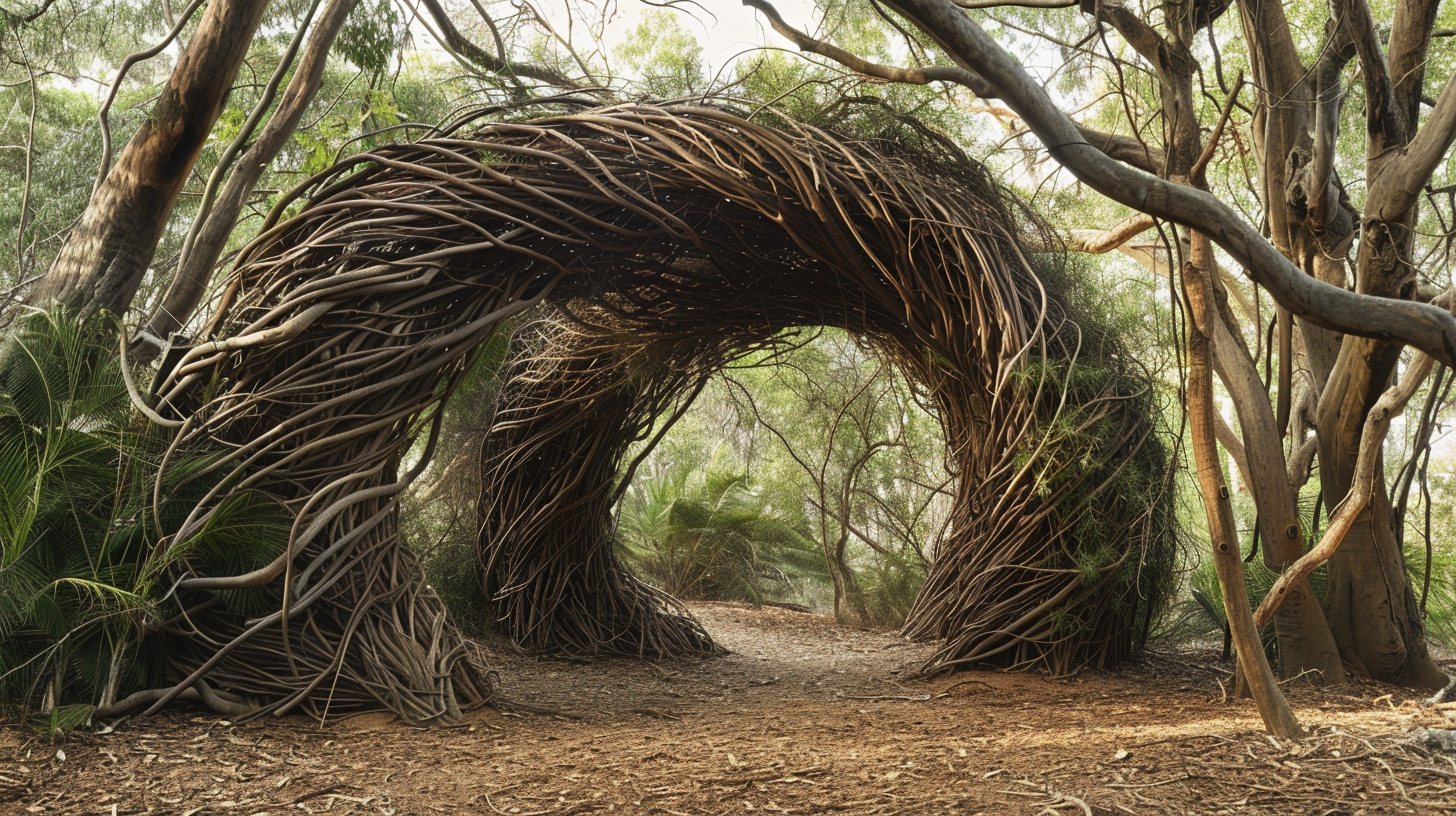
(672, 239)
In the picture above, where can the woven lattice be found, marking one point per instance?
(671, 239)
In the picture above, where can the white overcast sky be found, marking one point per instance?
(737, 28)
(726, 28)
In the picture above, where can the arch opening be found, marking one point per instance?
(671, 239)
(808, 474)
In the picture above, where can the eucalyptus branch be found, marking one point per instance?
(14, 21)
(1406, 53)
(1382, 116)
(1406, 175)
(213, 224)
(1041, 4)
(500, 44)
(225, 161)
(20, 265)
(477, 56)
(1098, 242)
(1122, 148)
(1425, 327)
(1146, 41)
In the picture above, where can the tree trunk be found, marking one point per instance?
(1273, 707)
(194, 271)
(1368, 601)
(107, 254)
(1306, 643)
(848, 602)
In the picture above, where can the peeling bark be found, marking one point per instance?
(106, 256)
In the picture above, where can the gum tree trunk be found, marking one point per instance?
(107, 254)
(1368, 601)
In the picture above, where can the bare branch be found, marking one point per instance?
(860, 65)
(1382, 117)
(1235, 447)
(1126, 149)
(13, 20)
(478, 56)
(1098, 242)
(1041, 4)
(1425, 327)
(1301, 464)
(1122, 148)
(500, 44)
(1405, 176)
(1322, 194)
(215, 223)
(1142, 37)
(245, 133)
(1410, 39)
(1200, 166)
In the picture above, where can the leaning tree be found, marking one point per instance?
(106, 261)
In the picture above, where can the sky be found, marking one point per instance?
(726, 28)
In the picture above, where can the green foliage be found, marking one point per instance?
(1094, 461)
(62, 170)
(71, 591)
(834, 442)
(1207, 600)
(1208, 594)
(665, 57)
(890, 581)
(372, 36)
(1438, 593)
(320, 146)
(81, 575)
(1441, 597)
(710, 536)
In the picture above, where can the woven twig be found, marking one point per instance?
(672, 239)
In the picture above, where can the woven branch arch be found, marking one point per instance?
(671, 240)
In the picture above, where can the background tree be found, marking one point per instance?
(208, 141)
(834, 411)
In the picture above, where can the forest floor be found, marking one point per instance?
(804, 716)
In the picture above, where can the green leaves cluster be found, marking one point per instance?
(74, 587)
(711, 536)
(372, 36)
(82, 576)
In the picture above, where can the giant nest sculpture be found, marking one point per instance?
(669, 240)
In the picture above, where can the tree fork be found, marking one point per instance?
(194, 270)
(1305, 640)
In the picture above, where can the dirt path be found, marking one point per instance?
(804, 717)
